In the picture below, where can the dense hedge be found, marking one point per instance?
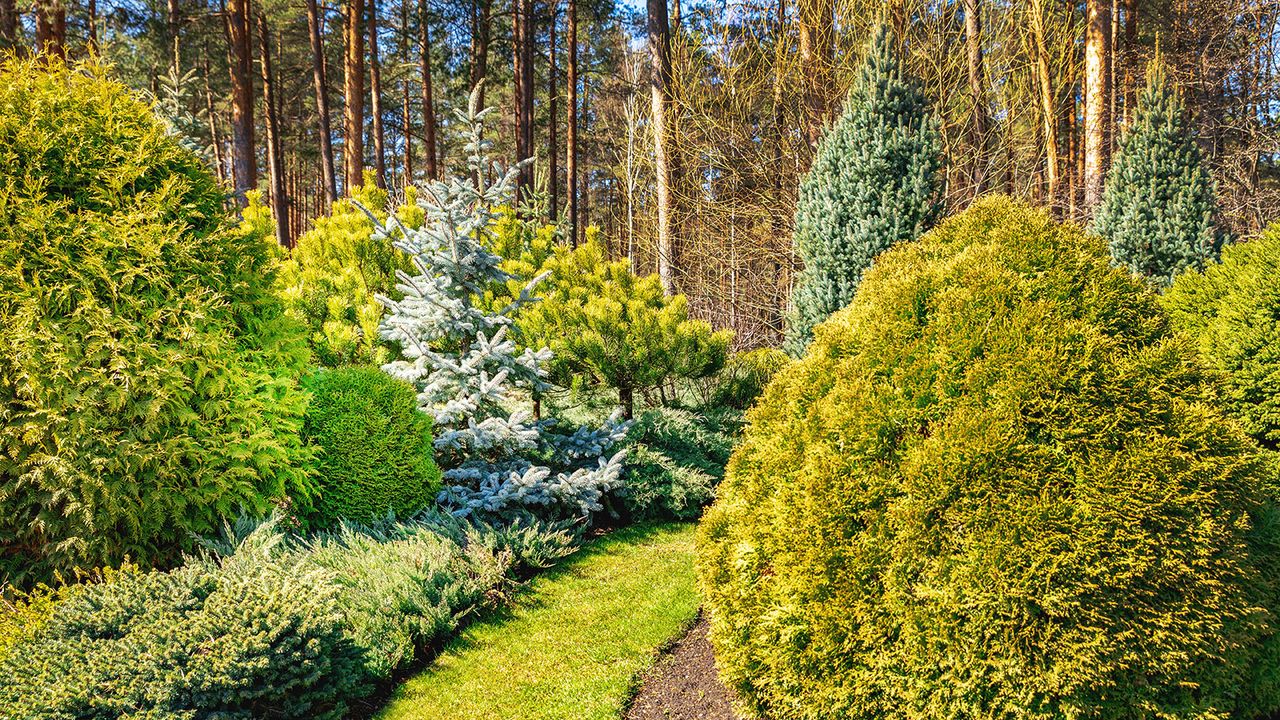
(374, 446)
(997, 486)
(146, 370)
(270, 628)
(1232, 310)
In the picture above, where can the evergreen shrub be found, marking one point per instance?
(271, 627)
(874, 182)
(675, 459)
(745, 376)
(375, 451)
(147, 371)
(606, 325)
(998, 485)
(1232, 311)
(1158, 203)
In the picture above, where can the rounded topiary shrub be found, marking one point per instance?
(375, 451)
(147, 372)
(1232, 310)
(997, 486)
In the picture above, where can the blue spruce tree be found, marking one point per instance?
(497, 462)
(1157, 206)
(874, 182)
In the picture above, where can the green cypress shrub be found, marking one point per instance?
(675, 459)
(1232, 311)
(1158, 203)
(997, 486)
(375, 453)
(874, 182)
(147, 372)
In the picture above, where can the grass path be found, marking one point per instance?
(573, 643)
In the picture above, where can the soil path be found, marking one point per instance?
(683, 684)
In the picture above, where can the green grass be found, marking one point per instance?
(572, 644)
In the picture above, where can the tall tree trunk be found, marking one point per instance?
(660, 98)
(173, 26)
(977, 88)
(782, 49)
(319, 76)
(428, 105)
(480, 13)
(275, 160)
(244, 164)
(375, 105)
(8, 24)
(353, 114)
(1097, 84)
(817, 40)
(407, 120)
(553, 91)
(1048, 101)
(571, 132)
(523, 72)
(1130, 56)
(51, 28)
(91, 8)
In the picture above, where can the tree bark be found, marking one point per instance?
(660, 98)
(51, 28)
(1048, 101)
(375, 104)
(214, 132)
(523, 72)
(816, 47)
(571, 131)
(553, 87)
(244, 164)
(779, 129)
(1130, 56)
(8, 24)
(92, 10)
(353, 114)
(977, 88)
(319, 76)
(407, 120)
(480, 43)
(275, 159)
(428, 105)
(1097, 83)
(173, 28)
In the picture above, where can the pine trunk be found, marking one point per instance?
(480, 13)
(8, 24)
(1048, 101)
(524, 94)
(816, 48)
(1097, 84)
(315, 27)
(571, 132)
(51, 28)
(660, 99)
(244, 165)
(553, 151)
(375, 104)
(428, 105)
(353, 116)
(977, 88)
(275, 160)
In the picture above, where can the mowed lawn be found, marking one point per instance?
(573, 643)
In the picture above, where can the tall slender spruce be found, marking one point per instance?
(874, 182)
(1158, 204)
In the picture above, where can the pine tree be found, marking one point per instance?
(459, 355)
(1157, 207)
(874, 182)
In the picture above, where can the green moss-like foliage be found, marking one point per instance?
(375, 447)
(1157, 207)
(607, 325)
(997, 486)
(1232, 310)
(147, 372)
(874, 183)
(329, 281)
